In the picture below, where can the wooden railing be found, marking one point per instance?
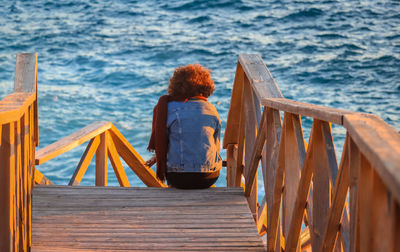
(18, 138)
(303, 182)
(104, 141)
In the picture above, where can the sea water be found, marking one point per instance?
(111, 60)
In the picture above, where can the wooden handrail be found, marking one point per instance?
(81, 136)
(14, 106)
(104, 141)
(305, 181)
(18, 138)
(300, 108)
(380, 144)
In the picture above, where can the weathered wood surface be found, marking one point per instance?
(259, 76)
(107, 218)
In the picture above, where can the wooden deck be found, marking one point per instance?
(66, 218)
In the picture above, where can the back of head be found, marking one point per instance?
(191, 80)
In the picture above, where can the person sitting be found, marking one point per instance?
(186, 131)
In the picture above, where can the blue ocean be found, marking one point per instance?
(111, 60)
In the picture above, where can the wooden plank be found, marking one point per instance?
(146, 221)
(240, 152)
(344, 231)
(231, 159)
(259, 76)
(134, 160)
(84, 161)
(171, 232)
(250, 139)
(18, 191)
(116, 162)
(256, 155)
(380, 144)
(101, 161)
(30, 172)
(130, 238)
(321, 188)
(395, 227)
(381, 232)
(71, 141)
(24, 180)
(275, 176)
(354, 162)
(55, 189)
(141, 203)
(300, 108)
(364, 203)
(140, 215)
(231, 135)
(338, 203)
(7, 180)
(134, 237)
(293, 164)
(60, 248)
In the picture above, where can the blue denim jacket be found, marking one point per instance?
(193, 131)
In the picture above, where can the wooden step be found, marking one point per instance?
(66, 218)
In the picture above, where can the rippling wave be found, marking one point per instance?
(102, 60)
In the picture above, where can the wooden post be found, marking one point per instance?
(7, 188)
(17, 156)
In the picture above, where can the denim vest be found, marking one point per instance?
(193, 130)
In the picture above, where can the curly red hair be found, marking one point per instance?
(191, 80)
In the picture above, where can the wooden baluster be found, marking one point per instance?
(240, 153)
(338, 202)
(273, 182)
(31, 170)
(134, 160)
(18, 168)
(354, 156)
(25, 167)
(116, 162)
(364, 203)
(255, 156)
(250, 136)
(293, 161)
(321, 189)
(395, 227)
(85, 161)
(262, 217)
(381, 220)
(231, 159)
(101, 162)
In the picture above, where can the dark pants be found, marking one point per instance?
(192, 180)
